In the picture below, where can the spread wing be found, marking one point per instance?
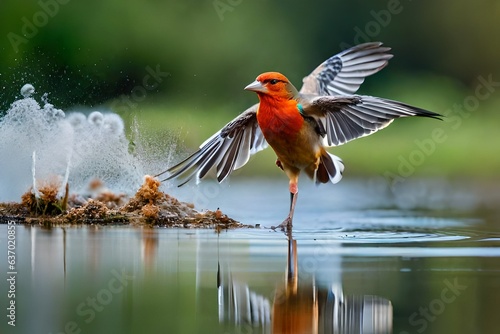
(343, 73)
(344, 118)
(228, 149)
(231, 147)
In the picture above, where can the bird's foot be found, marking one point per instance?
(285, 226)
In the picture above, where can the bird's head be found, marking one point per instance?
(273, 84)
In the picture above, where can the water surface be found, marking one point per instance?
(419, 258)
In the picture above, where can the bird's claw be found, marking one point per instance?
(285, 226)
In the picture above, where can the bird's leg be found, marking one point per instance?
(293, 176)
(294, 191)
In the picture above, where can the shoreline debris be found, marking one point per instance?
(149, 206)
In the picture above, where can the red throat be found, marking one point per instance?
(278, 117)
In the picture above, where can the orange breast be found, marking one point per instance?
(292, 139)
(279, 119)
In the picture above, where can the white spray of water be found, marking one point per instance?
(70, 147)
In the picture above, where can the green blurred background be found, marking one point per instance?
(93, 54)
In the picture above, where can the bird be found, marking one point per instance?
(300, 125)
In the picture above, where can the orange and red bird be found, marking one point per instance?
(299, 125)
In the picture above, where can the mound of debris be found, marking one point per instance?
(148, 206)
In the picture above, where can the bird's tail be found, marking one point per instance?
(330, 168)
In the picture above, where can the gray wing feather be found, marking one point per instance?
(227, 150)
(349, 117)
(343, 73)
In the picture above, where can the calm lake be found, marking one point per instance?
(422, 257)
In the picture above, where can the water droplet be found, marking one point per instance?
(45, 98)
(27, 90)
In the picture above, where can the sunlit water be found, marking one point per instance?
(368, 259)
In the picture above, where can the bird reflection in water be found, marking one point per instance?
(149, 247)
(301, 306)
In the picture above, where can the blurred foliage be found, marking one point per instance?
(87, 52)
(93, 53)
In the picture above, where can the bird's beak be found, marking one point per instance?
(256, 86)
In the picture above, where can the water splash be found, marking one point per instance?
(41, 143)
(27, 90)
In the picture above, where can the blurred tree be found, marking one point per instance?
(89, 52)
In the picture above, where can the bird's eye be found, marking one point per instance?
(273, 81)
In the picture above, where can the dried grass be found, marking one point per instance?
(148, 206)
